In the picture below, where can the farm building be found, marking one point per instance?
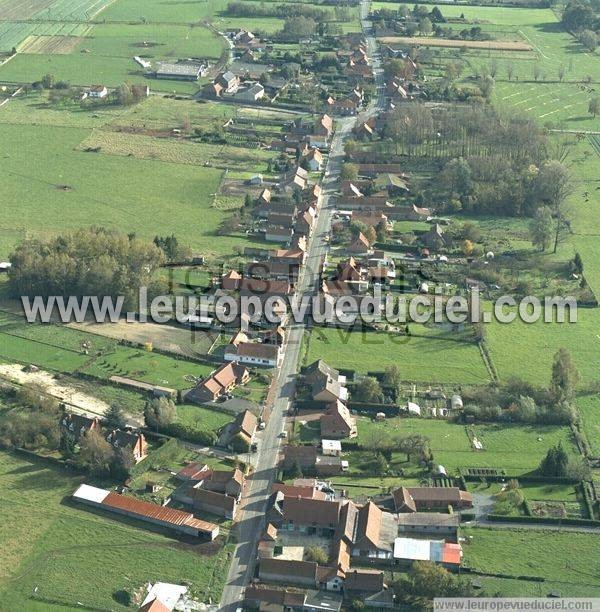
(250, 93)
(412, 499)
(98, 91)
(176, 520)
(407, 550)
(179, 72)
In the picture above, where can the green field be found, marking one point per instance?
(201, 418)
(546, 554)
(589, 410)
(519, 448)
(526, 350)
(59, 187)
(429, 355)
(59, 349)
(72, 556)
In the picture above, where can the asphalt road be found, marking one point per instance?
(252, 522)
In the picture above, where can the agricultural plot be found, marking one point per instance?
(162, 11)
(61, 45)
(72, 10)
(518, 448)
(45, 541)
(78, 69)
(35, 174)
(589, 411)
(513, 345)
(428, 355)
(177, 151)
(153, 42)
(496, 45)
(17, 34)
(35, 109)
(21, 9)
(585, 201)
(556, 103)
(152, 368)
(159, 113)
(61, 349)
(544, 554)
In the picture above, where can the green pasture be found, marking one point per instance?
(55, 187)
(526, 350)
(517, 447)
(589, 411)
(428, 355)
(153, 368)
(546, 554)
(46, 540)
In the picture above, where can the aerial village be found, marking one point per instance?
(270, 463)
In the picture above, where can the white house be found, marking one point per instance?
(98, 91)
(254, 353)
(333, 448)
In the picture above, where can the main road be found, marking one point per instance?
(256, 493)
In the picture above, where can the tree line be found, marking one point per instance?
(87, 262)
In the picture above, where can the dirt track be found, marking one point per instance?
(65, 393)
(423, 41)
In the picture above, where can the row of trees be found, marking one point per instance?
(287, 10)
(523, 402)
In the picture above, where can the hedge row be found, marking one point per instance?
(190, 434)
(546, 520)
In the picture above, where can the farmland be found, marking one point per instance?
(589, 409)
(542, 554)
(498, 45)
(518, 448)
(48, 157)
(45, 541)
(428, 355)
(59, 349)
(509, 345)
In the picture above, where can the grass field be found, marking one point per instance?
(59, 349)
(515, 447)
(429, 355)
(425, 41)
(177, 151)
(48, 158)
(547, 554)
(513, 346)
(46, 542)
(201, 418)
(589, 409)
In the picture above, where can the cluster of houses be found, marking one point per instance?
(305, 134)
(328, 392)
(75, 426)
(359, 541)
(208, 490)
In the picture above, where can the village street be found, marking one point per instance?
(258, 487)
